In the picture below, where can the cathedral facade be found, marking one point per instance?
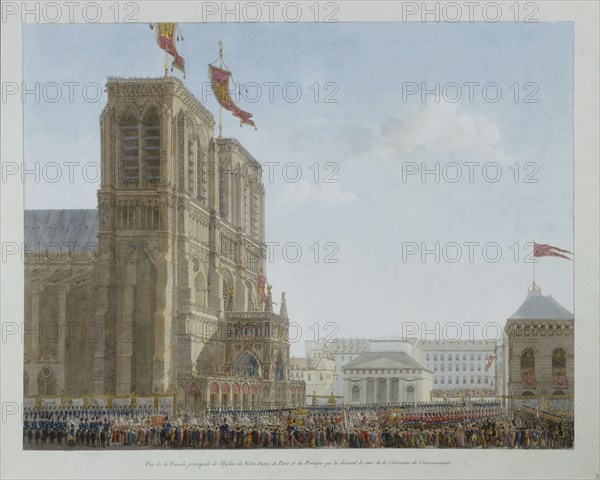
(159, 290)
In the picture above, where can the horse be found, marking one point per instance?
(103, 438)
(51, 436)
(44, 437)
(60, 436)
(94, 437)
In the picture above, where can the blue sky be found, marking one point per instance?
(370, 135)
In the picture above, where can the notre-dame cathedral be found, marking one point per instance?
(159, 290)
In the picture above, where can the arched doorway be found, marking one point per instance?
(410, 393)
(355, 396)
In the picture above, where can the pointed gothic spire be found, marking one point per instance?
(283, 308)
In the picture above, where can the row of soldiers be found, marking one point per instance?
(306, 429)
(87, 411)
(62, 431)
(94, 411)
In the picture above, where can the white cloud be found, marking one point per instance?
(438, 129)
(324, 193)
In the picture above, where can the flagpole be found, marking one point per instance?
(220, 107)
(534, 260)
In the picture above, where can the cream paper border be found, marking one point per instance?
(582, 462)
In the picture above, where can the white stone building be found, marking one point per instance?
(344, 350)
(460, 365)
(318, 371)
(386, 377)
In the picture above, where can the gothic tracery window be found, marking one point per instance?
(129, 137)
(151, 147)
(47, 382)
(223, 192)
(246, 365)
(200, 174)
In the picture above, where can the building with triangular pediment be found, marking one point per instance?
(386, 377)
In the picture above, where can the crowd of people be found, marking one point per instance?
(466, 392)
(460, 425)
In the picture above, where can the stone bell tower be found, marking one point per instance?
(155, 140)
(181, 236)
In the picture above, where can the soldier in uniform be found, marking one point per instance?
(71, 434)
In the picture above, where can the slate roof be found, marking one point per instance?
(541, 307)
(401, 357)
(69, 229)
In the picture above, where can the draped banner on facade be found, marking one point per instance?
(165, 37)
(144, 402)
(528, 377)
(121, 402)
(165, 405)
(489, 361)
(219, 81)
(74, 402)
(261, 281)
(98, 402)
(559, 376)
(50, 402)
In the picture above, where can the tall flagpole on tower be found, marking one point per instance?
(534, 260)
(220, 107)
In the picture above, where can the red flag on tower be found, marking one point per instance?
(165, 38)
(545, 250)
(219, 81)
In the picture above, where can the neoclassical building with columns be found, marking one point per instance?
(386, 377)
(156, 291)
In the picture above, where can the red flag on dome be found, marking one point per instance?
(545, 250)
(165, 38)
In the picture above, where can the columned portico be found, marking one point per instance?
(386, 377)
